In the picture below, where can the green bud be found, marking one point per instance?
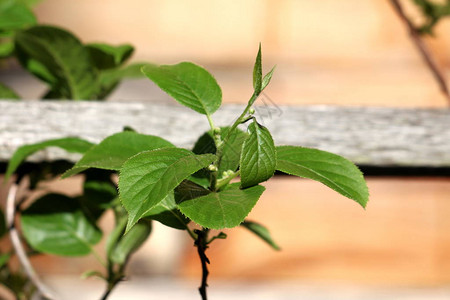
(212, 168)
(251, 111)
(216, 130)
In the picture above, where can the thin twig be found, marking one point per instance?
(18, 247)
(200, 243)
(425, 53)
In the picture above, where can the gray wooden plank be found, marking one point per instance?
(376, 136)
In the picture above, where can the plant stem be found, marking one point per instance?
(224, 181)
(238, 121)
(113, 278)
(201, 244)
(425, 53)
(210, 121)
(18, 247)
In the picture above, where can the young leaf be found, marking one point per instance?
(63, 56)
(92, 273)
(131, 241)
(7, 93)
(56, 224)
(330, 169)
(258, 157)
(167, 213)
(106, 56)
(224, 209)
(257, 73)
(114, 150)
(14, 16)
(6, 48)
(231, 151)
(261, 231)
(148, 177)
(267, 78)
(189, 84)
(70, 144)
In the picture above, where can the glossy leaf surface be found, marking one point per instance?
(258, 157)
(56, 224)
(71, 144)
(260, 231)
(106, 56)
(61, 59)
(224, 209)
(167, 213)
(131, 241)
(189, 84)
(114, 150)
(231, 151)
(257, 73)
(330, 169)
(14, 16)
(148, 177)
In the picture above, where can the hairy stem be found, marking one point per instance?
(18, 247)
(224, 181)
(201, 244)
(114, 278)
(236, 123)
(423, 50)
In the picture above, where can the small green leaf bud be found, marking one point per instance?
(216, 130)
(251, 111)
(222, 235)
(212, 168)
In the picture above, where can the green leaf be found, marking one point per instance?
(56, 224)
(131, 241)
(189, 84)
(258, 157)
(2, 223)
(106, 56)
(63, 56)
(114, 150)
(224, 209)
(330, 169)
(261, 231)
(267, 78)
(14, 16)
(71, 144)
(257, 73)
(148, 177)
(7, 93)
(167, 213)
(97, 197)
(4, 258)
(188, 190)
(110, 79)
(231, 151)
(92, 273)
(6, 48)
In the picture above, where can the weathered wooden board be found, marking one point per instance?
(367, 135)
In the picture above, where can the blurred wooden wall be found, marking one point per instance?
(338, 52)
(348, 52)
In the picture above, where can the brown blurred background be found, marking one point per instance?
(334, 52)
(348, 52)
